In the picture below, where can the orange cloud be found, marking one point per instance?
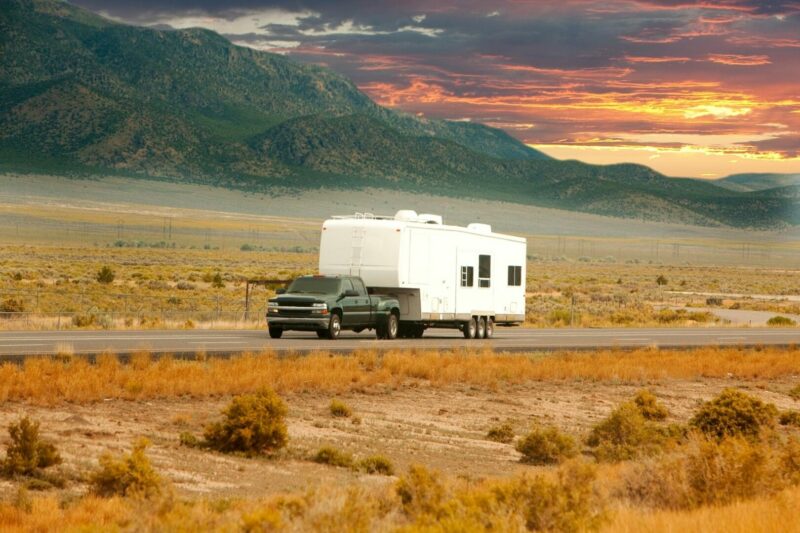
(740, 60)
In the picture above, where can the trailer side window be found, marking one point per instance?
(514, 276)
(467, 276)
(484, 270)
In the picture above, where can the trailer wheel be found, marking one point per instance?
(469, 328)
(480, 332)
(275, 332)
(489, 333)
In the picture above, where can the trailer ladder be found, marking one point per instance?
(357, 247)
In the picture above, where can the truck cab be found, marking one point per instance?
(330, 304)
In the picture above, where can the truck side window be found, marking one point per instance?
(484, 270)
(359, 286)
(347, 285)
(514, 276)
(467, 276)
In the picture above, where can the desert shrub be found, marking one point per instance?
(781, 321)
(83, 321)
(661, 280)
(569, 503)
(501, 433)
(790, 418)
(185, 286)
(714, 300)
(217, 282)
(105, 275)
(714, 472)
(28, 452)
(625, 434)
(734, 413)
(795, 392)
(127, 475)
(328, 455)
(421, 491)
(559, 316)
(376, 464)
(546, 446)
(340, 409)
(648, 405)
(12, 305)
(189, 440)
(253, 424)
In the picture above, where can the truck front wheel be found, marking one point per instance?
(275, 332)
(334, 328)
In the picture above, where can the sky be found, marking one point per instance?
(696, 88)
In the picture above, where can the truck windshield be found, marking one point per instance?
(315, 285)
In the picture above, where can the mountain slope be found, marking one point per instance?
(82, 94)
(757, 182)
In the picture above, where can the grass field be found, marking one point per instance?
(428, 414)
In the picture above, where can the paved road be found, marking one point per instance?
(15, 345)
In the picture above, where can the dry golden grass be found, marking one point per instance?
(49, 381)
(780, 513)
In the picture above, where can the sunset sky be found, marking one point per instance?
(690, 88)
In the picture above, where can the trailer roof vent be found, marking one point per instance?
(480, 228)
(406, 215)
(427, 218)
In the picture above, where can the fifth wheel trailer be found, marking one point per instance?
(444, 276)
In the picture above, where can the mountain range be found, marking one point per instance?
(80, 94)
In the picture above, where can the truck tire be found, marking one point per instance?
(480, 331)
(489, 333)
(469, 328)
(392, 326)
(334, 327)
(419, 330)
(275, 332)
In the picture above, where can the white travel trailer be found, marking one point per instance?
(443, 276)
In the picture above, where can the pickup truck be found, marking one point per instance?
(329, 304)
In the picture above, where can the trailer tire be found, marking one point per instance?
(489, 331)
(469, 328)
(480, 331)
(275, 332)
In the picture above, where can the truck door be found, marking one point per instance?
(363, 303)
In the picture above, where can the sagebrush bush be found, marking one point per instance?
(253, 424)
(105, 275)
(28, 452)
(649, 406)
(501, 433)
(329, 455)
(714, 472)
(340, 409)
(625, 435)
(781, 321)
(12, 305)
(795, 392)
(128, 475)
(544, 446)
(733, 413)
(790, 418)
(421, 491)
(376, 464)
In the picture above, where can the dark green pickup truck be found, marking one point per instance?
(329, 304)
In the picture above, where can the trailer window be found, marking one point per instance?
(484, 270)
(467, 276)
(514, 276)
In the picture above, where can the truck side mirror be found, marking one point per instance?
(350, 293)
(280, 291)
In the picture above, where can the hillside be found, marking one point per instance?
(757, 181)
(82, 95)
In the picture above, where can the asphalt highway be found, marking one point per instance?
(16, 345)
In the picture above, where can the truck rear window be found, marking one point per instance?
(315, 286)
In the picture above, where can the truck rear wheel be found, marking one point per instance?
(419, 330)
(275, 332)
(480, 332)
(469, 328)
(489, 333)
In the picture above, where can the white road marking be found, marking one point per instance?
(218, 342)
(20, 345)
